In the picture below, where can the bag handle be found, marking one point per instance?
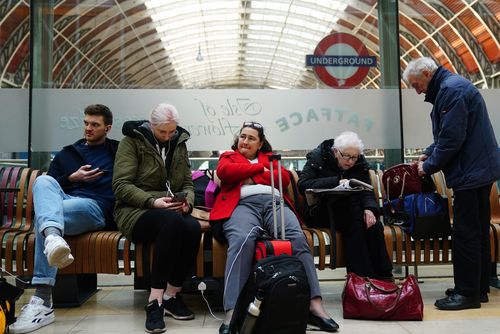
(389, 202)
(380, 287)
(403, 187)
(210, 174)
(369, 284)
(387, 188)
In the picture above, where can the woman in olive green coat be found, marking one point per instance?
(151, 165)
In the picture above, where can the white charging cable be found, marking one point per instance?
(237, 254)
(202, 286)
(11, 274)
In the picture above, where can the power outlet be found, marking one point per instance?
(193, 284)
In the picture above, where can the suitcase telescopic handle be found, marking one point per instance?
(273, 157)
(277, 157)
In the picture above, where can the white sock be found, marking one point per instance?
(167, 297)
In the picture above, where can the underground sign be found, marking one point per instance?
(341, 60)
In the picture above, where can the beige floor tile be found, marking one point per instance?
(117, 308)
(465, 326)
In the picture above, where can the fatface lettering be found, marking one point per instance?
(352, 119)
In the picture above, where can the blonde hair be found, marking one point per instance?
(348, 139)
(164, 113)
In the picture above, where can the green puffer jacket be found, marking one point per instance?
(139, 176)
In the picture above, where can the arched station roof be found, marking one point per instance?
(239, 43)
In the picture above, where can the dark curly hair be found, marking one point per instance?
(100, 110)
(266, 146)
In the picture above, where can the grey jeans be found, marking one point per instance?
(242, 230)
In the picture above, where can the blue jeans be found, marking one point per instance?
(54, 208)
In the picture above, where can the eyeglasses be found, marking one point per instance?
(253, 125)
(348, 157)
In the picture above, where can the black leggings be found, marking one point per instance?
(176, 240)
(364, 249)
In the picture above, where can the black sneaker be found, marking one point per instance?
(154, 318)
(175, 307)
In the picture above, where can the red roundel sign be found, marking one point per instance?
(341, 60)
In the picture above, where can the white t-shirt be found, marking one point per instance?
(256, 189)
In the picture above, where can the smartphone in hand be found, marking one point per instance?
(105, 171)
(179, 196)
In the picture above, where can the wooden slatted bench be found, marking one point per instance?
(495, 239)
(16, 225)
(110, 252)
(402, 249)
(406, 251)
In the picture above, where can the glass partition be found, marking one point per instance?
(180, 51)
(223, 62)
(459, 35)
(14, 69)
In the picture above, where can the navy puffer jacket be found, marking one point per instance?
(464, 146)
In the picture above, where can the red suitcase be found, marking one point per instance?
(272, 247)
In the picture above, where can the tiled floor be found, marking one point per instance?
(117, 308)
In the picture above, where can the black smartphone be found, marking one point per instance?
(105, 171)
(179, 196)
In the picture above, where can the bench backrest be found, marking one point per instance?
(16, 197)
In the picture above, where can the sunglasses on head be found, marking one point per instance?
(253, 125)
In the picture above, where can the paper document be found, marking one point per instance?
(353, 185)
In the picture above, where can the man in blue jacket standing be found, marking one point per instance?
(466, 150)
(74, 197)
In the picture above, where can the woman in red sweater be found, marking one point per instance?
(244, 207)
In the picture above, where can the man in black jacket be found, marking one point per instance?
(74, 197)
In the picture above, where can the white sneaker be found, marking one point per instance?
(57, 251)
(32, 317)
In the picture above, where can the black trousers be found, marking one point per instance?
(364, 249)
(175, 238)
(471, 241)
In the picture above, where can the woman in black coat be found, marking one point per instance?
(333, 163)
